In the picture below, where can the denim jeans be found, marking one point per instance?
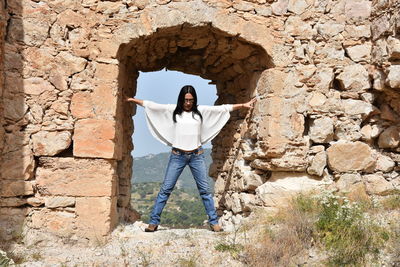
(177, 162)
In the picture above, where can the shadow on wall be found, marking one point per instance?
(17, 161)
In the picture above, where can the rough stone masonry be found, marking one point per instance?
(326, 73)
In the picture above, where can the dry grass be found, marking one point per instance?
(282, 244)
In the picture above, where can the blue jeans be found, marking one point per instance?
(177, 162)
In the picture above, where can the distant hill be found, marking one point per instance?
(151, 168)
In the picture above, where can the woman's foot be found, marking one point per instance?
(151, 228)
(216, 228)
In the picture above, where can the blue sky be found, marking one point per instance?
(163, 87)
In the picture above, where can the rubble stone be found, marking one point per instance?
(350, 156)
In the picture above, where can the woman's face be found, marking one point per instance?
(188, 103)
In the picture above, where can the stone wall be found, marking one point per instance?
(326, 114)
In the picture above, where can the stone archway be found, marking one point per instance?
(231, 62)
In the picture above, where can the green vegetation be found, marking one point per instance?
(4, 260)
(347, 231)
(184, 207)
(344, 229)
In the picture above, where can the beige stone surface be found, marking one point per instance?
(393, 77)
(321, 130)
(354, 77)
(95, 138)
(18, 165)
(76, 177)
(13, 188)
(56, 202)
(389, 138)
(96, 216)
(50, 143)
(318, 164)
(349, 182)
(376, 184)
(283, 185)
(350, 156)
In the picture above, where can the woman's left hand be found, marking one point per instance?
(249, 104)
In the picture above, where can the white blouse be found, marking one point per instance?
(187, 133)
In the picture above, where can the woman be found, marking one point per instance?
(186, 127)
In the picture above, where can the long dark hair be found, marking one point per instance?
(181, 100)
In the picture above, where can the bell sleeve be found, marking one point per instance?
(214, 118)
(159, 120)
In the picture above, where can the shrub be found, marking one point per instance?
(346, 231)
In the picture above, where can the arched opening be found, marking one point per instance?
(150, 157)
(230, 62)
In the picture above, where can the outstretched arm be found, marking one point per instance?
(247, 105)
(134, 100)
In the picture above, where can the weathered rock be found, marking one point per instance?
(76, 177)
(279, 189)
(297, 7)
(376, 184)
(18, 165)
(61, 223)
(97, 216)
(95, 138)
(36, 85)
(357, 107)
(57, 202)
(354, 77)
(70, 64)
(321, 130)
(393, 78)
(50, 143)
(10, 188)
(12, 202)
(349, 156)
(359, 53)
(389, 138)
(280, 7)
(384, 163)
(318, 164)
(357, 9)
(347, 130)
(349, 182)
(394, 47)
(369, 132)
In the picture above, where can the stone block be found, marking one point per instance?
(97, 216)
(384, 163)
(76, 177)
(12, 201)
(60, 223)
(321, 130)
(318, 164)
(350, 156)
(393, 77)
(11, 223)
(50, 143)
(360, 52)
(376, 184)
(70, 64)
(282, 186)
(394, 47)
(354, 77)
(357, 9)
(17, 165)
(81, 105)
(389, 138)
(11, 188)
(58, 202)
(349, 182)
(96, 138)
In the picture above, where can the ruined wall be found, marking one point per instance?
(326, 114)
